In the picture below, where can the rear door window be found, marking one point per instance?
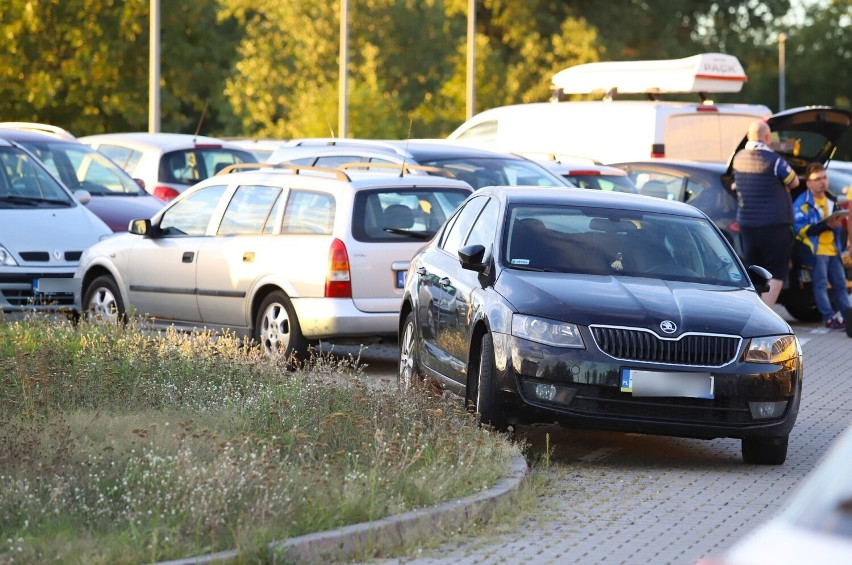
(250, 211)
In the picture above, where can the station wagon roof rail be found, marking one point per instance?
(294, 169)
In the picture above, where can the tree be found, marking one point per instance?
(83, 64)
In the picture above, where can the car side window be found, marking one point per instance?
(124, 157)
(308, 213)
(485, 227)
(249, 210)
(191, 215)
(462, 224)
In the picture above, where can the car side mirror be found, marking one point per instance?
(471, 258)
(760, 278)
(82, 196)
(140, 227)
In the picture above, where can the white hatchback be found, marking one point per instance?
(168, 163)
(43, 232)
(285, 255)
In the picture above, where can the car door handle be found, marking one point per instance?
(444, 282)
(188, 256)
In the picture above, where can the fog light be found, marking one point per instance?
(545, 392)
(764, 410)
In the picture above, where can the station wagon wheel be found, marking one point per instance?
(765, 450)
(102, 301)
(409, 367)
(486, 393)
(277, 330)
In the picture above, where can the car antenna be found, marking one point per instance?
(330, 128)
(405, 154)
(201, 119)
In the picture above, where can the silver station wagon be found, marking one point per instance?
(285, 255)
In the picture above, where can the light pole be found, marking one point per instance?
(154, 68)
(782, 102)
(342, 110)
(471, 60)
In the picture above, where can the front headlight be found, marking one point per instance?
(6, 258)
(548, 332)
(772, 349)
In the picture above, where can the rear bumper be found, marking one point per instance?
(321, 318)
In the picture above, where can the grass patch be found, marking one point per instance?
(124, 446)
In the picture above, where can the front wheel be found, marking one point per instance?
(409, 367)
(765, 450)
(277, 330)
(485, 394)
(102, 301)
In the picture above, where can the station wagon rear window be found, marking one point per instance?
(403, 215)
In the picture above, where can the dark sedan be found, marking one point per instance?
(600, 310)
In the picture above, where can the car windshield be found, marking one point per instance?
(493, 171)
(190, 166)
(81, 167)
(403, 215)
(629, 243)
(24, 183)
(611, 183)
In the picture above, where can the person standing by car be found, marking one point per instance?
(817, 221)
(763, 181)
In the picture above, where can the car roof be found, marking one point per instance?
(34, 136)
(418, 149)
(595, 198)
(53, 131)
(713, 166)
(162, 141)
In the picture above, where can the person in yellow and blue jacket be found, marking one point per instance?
(818, 230)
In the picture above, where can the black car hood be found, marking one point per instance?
(639, 302)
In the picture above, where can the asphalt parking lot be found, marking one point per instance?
(629, 498)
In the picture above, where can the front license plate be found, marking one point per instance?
(53, 286)
(400, 279)
(665, 383)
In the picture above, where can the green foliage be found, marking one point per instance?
(271, 68)
(119, 445)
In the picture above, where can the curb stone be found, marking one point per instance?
(390, 532)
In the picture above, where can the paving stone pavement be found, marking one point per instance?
(629, 499)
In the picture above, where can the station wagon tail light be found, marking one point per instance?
(658, 151)
(165, 193)
(584, 173)
(338, 283)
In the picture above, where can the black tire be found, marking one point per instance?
(482, 387)
(765, 450)
(102, 302)
(408, 374)
(847, 316)
(801, 305)
(276, 329)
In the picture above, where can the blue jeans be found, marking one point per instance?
(829, 269)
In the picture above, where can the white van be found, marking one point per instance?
(611, 130)
(44, 230)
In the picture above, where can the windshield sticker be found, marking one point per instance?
(520, 261)
(736, 276)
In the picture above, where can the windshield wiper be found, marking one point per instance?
(413, 234)
(533, 269)
(21, 200)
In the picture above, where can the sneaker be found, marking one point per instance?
(835, 324)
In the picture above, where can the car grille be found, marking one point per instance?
(44, 256)
(600, 401)
(699, 350)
